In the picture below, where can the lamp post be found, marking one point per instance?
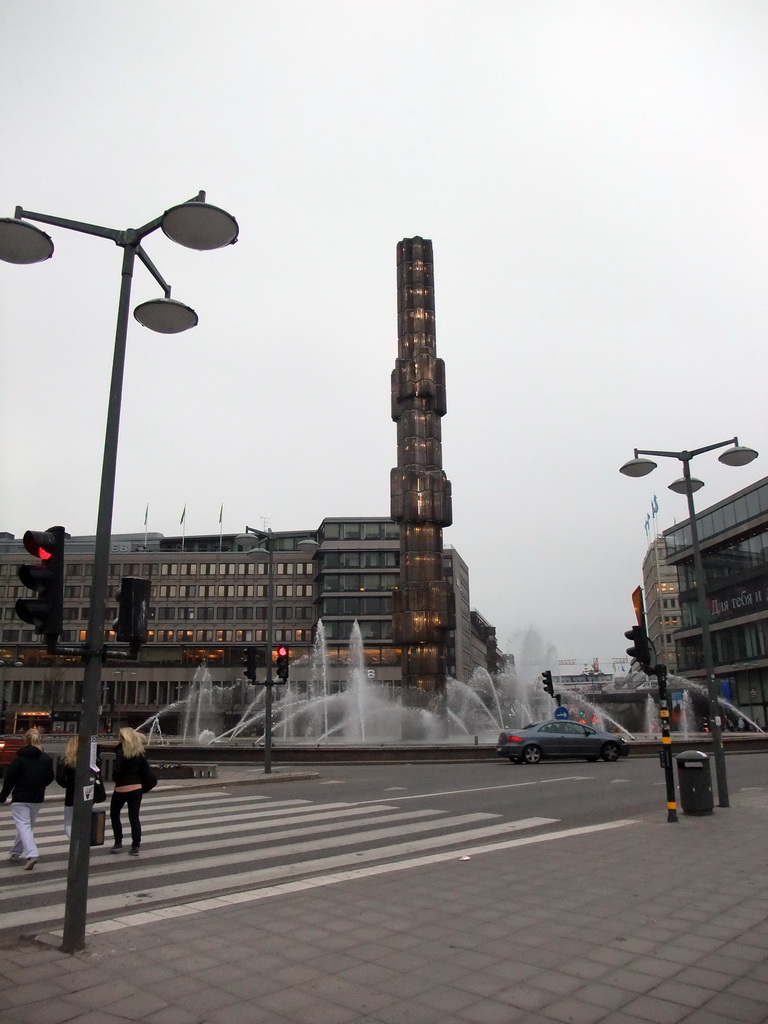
(264, 551)
(735, 455)
(114, 697)
(195, 225)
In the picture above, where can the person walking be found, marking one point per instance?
(65, 776)
(26, 778)
(129, 776)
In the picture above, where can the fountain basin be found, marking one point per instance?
(295, 752)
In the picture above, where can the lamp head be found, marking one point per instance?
(680, 486)
(638, 467)
(166, 316)
(307, 545)
(739, 455)
(23, 243)
(200, 226)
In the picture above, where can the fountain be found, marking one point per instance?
(367, 712)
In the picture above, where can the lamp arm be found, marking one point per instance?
(686, 456)
(73, 225)
(153, 271)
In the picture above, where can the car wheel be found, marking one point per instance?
(610, 752)
(532, 755)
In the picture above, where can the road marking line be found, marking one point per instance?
(200, 906)
(279, 874)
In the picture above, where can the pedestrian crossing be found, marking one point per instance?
(213, 845)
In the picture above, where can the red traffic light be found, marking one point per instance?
(40, 543)
(283, 662)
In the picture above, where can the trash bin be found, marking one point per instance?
(695, 781)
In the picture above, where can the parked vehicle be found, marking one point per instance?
(9, 747)
(560, 738)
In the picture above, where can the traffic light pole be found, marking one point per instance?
(76, 902)
(268, 670)
(665, 754)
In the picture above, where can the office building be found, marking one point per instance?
(733, 536)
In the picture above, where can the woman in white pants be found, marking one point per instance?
(26, 778)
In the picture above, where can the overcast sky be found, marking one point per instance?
(592, 174)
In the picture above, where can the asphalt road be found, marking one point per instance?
(575, 792)
(217, 840)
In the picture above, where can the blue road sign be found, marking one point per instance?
(562, 712)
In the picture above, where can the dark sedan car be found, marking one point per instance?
(558, 738)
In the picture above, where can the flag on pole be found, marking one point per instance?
(655, 505)
(146, 513)
(183, 514)
(221, 511)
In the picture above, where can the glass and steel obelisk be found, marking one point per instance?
(423, 610)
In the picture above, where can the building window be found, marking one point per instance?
(283, 590)
(225, 590)
(184, 636)
(169, 569)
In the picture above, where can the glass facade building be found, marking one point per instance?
(733, 536)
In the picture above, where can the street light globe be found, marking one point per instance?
(307, 545)
(200, 226)
(638, 467)
(166, 316)
(680, 486)
(23, 243)
(739, 455)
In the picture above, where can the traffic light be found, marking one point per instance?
(283, 663)
(640, 650)
(132, 622)
(249, 659)
(45, 611)
(548, 686)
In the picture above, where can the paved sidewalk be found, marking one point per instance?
(648, 921)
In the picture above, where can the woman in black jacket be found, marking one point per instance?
(65, 776)
(27, 776)
(127, 775)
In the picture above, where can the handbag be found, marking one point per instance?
(99, 793)
(148, 777)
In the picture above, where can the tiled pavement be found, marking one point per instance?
(654, 922)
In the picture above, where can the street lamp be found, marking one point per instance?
(735, 455)
(264, 551)
(195, 225)
(115, 697)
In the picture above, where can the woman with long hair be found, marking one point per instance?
(65, 776)
(130, 763)
(27, 776)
